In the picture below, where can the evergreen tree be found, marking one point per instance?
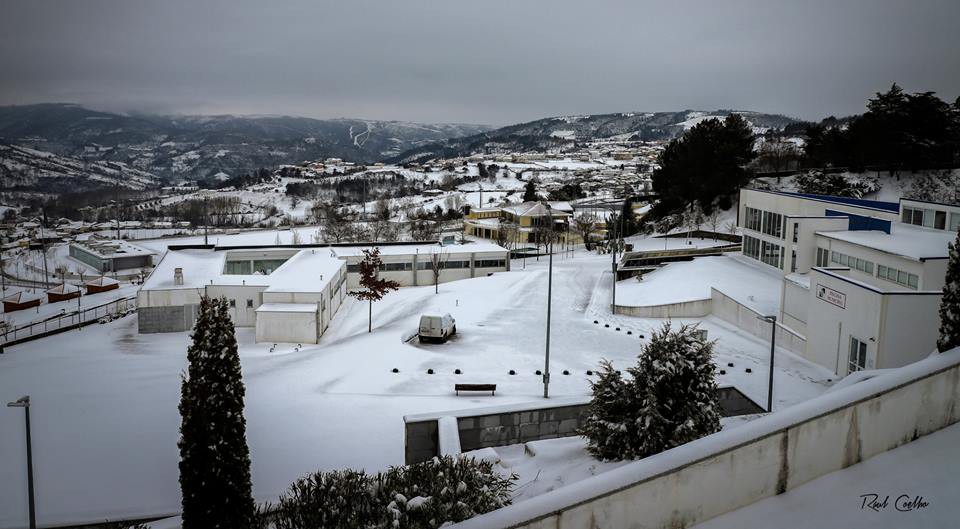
(609, 424)
(706, 165)
(214, 458)
(530, 192)
(950, 303)
(670, 400)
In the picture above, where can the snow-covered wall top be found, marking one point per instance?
(764, 457)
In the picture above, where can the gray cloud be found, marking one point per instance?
(492, 62)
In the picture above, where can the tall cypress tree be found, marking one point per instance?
(214, 458)
(950, 303)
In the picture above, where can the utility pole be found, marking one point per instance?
(24, 402)
(43, 249)
(206, 222)
(546, 366)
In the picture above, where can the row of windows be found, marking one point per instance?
(763, 251)
(930, 218)
(853, 262)
(883, 272)
(898, 276)
(427, 265)
(764, 221)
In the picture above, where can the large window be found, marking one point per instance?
(751, 247)
(898, 276)
(771, 254)
(773, 224)
(930, 218)
(823, 256)
(491, 263)
(858, 356)
(955, 222)
(396, 267)
(752, 222)
(853, 262)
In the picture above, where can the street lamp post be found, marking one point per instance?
(772, 320)
(24, 402)
(546, 364)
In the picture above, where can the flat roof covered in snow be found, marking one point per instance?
(110, 249)
(410, 249)
(904, 240)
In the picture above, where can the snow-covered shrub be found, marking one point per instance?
(425, 495)
(840, 185)
(670, 398)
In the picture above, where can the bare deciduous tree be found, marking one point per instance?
(585, 225)
(438, 261)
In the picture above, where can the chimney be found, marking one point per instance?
(178, 276)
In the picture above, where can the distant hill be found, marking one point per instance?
(171, 148)
(552, 132)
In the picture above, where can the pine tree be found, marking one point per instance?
(676, 390)
(950, 303)
(608, 425)
(214, 458)
(530, 192)
(670, 400)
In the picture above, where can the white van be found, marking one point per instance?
(437, 328)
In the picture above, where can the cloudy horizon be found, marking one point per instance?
(494, 63)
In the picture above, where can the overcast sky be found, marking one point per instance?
(474, 61)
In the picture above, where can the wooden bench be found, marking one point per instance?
(492, 388)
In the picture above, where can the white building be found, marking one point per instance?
(291, 294)
(860, 286)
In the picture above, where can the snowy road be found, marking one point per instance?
(105, 400)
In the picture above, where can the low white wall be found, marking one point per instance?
(692, 483)
(747, 319)
(697, 308)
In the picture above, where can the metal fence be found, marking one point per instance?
(68, 320)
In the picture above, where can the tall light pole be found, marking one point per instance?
(772, 320)
(24, 402)
(546, 363)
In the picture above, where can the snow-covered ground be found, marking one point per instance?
(105, 420)
(927, 467)
(749, 282)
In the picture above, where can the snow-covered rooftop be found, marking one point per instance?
(409, 249)
(308, 271)
(107, 249)
(905, 240)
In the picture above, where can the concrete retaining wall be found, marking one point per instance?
(520, 423)
(771, 455)
(747, 319)
(697, 308)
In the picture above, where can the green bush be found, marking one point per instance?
(425, 495)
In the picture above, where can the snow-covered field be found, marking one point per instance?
(105, 399)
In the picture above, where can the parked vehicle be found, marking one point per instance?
(437, 328)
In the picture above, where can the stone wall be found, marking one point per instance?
(515, 424)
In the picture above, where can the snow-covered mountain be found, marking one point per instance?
(28, 169)
(557, 131)
(201, 147)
